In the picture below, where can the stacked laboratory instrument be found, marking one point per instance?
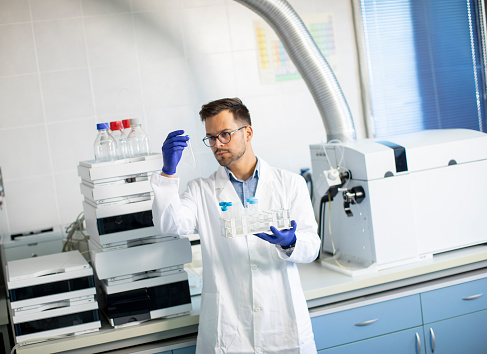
(52, 295)
(140, 273)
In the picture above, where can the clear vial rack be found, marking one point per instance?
(251, 224)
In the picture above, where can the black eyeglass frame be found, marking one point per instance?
(206, 139)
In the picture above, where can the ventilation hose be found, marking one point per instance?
(310, 63)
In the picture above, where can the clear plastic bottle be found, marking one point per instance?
(116, 131)
(104, 146)
(137, 140)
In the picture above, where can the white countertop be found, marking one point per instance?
(321, 286)
(321, 283)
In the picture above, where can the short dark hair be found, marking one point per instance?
(234, 105)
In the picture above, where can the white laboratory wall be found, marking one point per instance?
(66, 65)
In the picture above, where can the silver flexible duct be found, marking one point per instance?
(310, 63)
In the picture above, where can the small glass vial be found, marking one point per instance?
(252, 214)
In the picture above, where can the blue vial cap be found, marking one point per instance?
(253, 201)
(222, 203)
(224, 208)
(100, 126)
(229, 203)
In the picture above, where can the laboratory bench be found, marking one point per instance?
(409, 307)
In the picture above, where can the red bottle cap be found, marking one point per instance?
(126, 123)
(116, 125)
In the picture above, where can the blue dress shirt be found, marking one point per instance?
(245, 189)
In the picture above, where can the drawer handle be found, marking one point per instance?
(433, 340)
(418, 344)
(366, 323)
(473, 297)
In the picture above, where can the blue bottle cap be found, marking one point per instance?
(253, 200)
(224, 208)
(100, 126)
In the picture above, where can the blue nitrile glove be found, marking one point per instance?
(172, 150)
(284, 238)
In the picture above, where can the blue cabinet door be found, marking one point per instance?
(409, 341)
(463, 334)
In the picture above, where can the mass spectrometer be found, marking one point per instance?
(391, 201)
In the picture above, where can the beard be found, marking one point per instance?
(230, 156)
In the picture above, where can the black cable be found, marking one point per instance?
(321, 221)
(328, 197)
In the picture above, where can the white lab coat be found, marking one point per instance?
(252, 299)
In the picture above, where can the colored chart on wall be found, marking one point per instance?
(275, 64)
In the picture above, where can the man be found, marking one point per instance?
(252, 299)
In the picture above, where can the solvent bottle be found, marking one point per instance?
(126, 126)
(137, 140)
(116, 131)
(104, 146)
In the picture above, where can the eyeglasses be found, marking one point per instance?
(224, 137)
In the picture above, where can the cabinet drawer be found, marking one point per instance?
(366, 321)
(454, 300)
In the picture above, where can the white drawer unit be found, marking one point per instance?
(159, 255)
(119, 223)
(52, 295)
(113, 170)
(32, 244)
